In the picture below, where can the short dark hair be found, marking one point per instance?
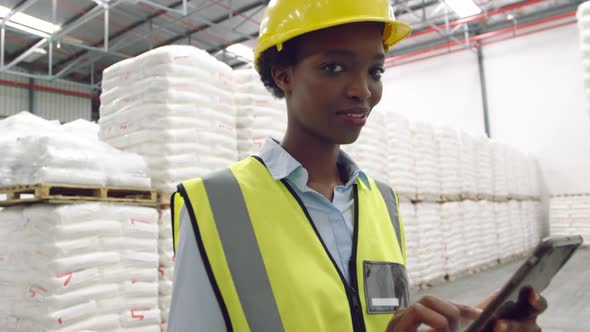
(273, 57)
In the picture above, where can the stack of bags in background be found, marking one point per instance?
(166, 265)
(428, 180)
(583, 16)
(453, 227)
(503, 229)
(371, 149)
(400, 163)
(471, 232)
(259, 114)
(449, 154)
(535, 181)
(78, 267)
(36, 151)
(484, 163)
(570, 215)
(486, 251)
(517, 228)
(174, 106)
(468, 165)
(414, 265)
(500, 178)
(431, 250)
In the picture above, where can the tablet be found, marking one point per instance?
(536, 272)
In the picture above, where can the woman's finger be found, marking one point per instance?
(516, 326)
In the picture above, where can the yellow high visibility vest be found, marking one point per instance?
(268, 266)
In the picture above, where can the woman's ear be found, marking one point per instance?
(283, 78)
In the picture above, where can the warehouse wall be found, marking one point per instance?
(535, 98)
(537, 103)
(56, 106)
(50, 105)
(443, 90)
(13, 99)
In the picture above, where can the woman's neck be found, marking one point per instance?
(319, 159)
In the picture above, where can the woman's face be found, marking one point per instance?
(336, 81)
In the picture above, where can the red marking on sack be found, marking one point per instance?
(261, 102)
(181, 57)
(174, 258)
(161, 270)
(137, 316)
(133, 221)
(60, 321)
(32, 291)
(69, 276)
(226, 127)
(133, 281)
(124, 126)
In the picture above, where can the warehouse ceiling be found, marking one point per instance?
(94, 34)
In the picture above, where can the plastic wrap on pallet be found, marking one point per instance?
(370, 149)
(484, 172)
(38, 151)
(424, 145)
(259, 114)
(570, 215)
(468, 164)
(166, 263)
(178, 99)
(431, 250)
(399, 163)
(76, 267)
(414, 265)
(453, 227)
(449, 156)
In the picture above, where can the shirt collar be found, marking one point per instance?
(282, 165)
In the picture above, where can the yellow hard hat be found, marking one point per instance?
(286, 19)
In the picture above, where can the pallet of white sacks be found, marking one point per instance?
(68, 193)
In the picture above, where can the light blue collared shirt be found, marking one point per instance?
(194, 306)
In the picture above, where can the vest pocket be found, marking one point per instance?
(386, 287)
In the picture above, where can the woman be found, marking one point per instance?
(299, 238)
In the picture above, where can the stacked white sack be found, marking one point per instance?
(517, 228)
(531, 213)
(432, 243)
(78, 267)
(535, 189)
(259, 114)
(484, 172)
(468, 164)
(37, 151)
(415, 265)
(174, 106)
(400, 164)
(488, 245)
(449, 154)
(452, 224)
(503, 229)
(500, 178)
(583, 16)
(166, 265)
(426, 157)
(570, 215)
(471, 232)
(371, 148)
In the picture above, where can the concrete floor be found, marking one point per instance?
(568, 295)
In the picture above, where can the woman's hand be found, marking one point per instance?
(438, 314)
(520, 316)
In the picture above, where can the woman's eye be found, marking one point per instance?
(333, 68)
(376, 73)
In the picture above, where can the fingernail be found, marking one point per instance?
(534, 296)
(501, 326)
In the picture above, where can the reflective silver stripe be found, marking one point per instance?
(242, 252)
(391, 204)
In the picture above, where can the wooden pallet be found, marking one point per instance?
(571, 195)
(468, 196)
(427, 197)
(450, 198)
(66, 193)
(164, 200)
(484, 197)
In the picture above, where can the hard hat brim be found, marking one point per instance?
(395, 32)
